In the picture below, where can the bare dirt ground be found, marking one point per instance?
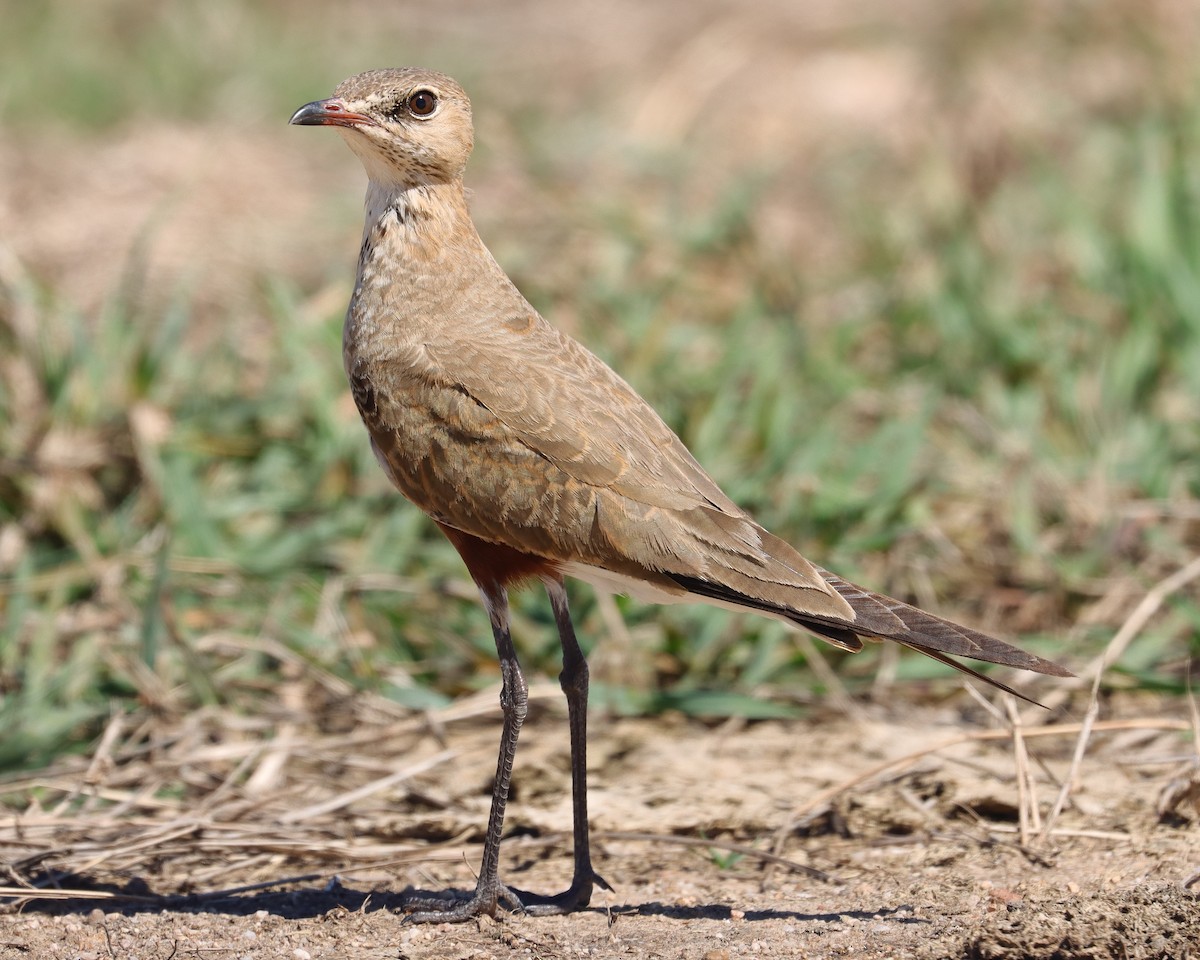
(912, 815)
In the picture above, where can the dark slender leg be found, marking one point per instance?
(574, 683)
(514, 702)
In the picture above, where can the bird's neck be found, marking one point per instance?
(424, 216)
(420, 256)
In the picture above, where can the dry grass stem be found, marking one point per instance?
(835, 690)
(1133, 625)
(350, 796)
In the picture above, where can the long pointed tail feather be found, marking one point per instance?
(890, 619)
(879, 617)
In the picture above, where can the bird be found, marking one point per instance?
(539, 462)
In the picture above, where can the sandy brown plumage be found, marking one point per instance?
(533, 456)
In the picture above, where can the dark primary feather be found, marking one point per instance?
(880, 617)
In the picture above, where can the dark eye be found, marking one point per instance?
(422, 103)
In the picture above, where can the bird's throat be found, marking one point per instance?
(413, 224)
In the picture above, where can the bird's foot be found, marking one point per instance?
(489, 896)
(449, 907)
(575, 897)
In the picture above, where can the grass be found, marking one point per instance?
(984, 398)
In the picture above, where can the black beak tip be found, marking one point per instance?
(310, 115)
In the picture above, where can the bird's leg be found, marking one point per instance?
(574, 682)
(514, 702)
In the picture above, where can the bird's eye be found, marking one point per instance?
(422, 103)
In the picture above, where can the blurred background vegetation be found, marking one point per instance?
(919, 283)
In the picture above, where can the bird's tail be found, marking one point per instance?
(879, 617)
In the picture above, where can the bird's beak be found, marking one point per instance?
(329, 113)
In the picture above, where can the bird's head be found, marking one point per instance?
(409, 126)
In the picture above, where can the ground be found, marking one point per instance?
(899, 836)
